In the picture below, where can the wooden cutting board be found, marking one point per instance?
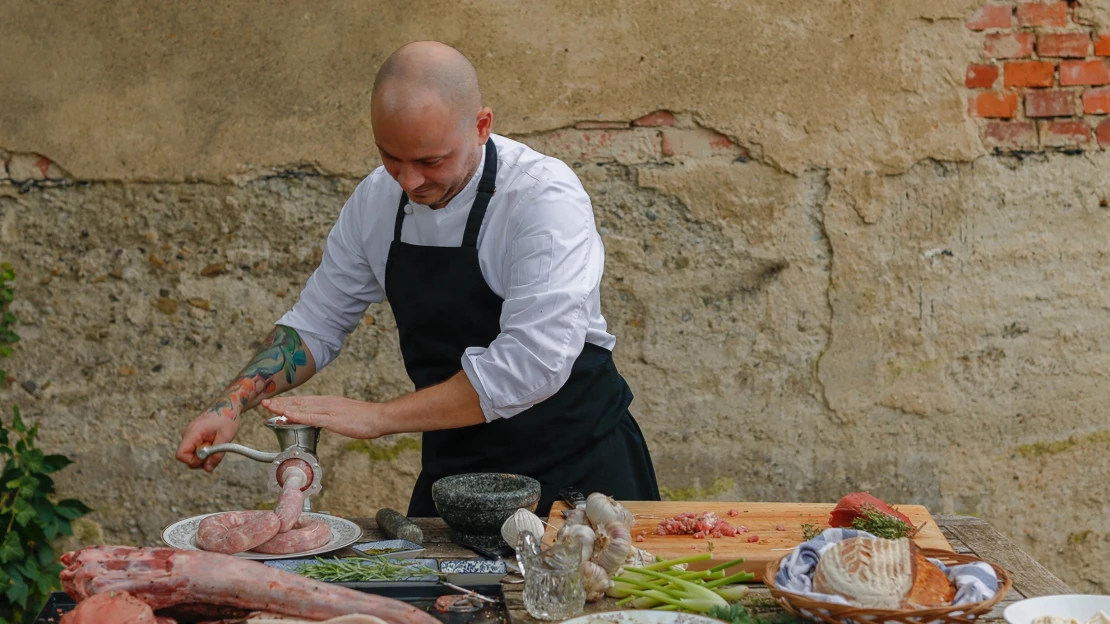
(763, 520)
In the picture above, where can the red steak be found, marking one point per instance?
(853, 506)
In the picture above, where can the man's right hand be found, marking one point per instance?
(214, 426)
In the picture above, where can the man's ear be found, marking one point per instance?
(485, 123)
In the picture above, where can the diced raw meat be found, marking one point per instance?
(753, 539)
(708, 524)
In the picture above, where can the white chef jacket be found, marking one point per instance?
(538, 250)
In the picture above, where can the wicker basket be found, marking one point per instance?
(803, 607)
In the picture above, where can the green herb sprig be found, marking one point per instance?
(363, 569)
(879, 524)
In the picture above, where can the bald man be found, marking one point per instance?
(488, 255)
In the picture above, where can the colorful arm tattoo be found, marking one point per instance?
(274, 368)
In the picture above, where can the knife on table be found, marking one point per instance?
(573, 497)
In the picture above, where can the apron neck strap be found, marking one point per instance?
(486, 189)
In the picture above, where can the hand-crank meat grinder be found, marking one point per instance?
(298, 442)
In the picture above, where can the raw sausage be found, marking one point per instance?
(305, 535)
(296, 474)
(237, 531)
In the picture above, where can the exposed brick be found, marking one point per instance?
(698, 143)
(980, 76)
(1049, 104)
(630, 146)
(1065, 133)
(1010, 134)
(1009, 45)
(1102, 46)
(23, 167)
(1064, 45)
(1103, 133)
(1096, 101)
(601, 125)
(995, 105)
(1029, 74)
(992, 16)
(656, 119)
(1051, 14)
(1074, 73)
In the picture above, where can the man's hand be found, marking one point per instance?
(347, 417)
(217, 425)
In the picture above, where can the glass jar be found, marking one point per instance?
(552, 579)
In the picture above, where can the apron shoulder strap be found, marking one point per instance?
(400, 217)
(486, 189)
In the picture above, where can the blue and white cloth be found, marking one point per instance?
(975, 582)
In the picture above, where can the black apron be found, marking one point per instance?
(582, 436)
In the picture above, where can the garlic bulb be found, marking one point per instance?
(576, 516)
(601, 509)
(579, 534)
(522, 520)
(595, 581)
(612, 546)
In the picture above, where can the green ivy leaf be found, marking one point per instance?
(23, 516)
(71, 509)
(17, 422)
(17, 592)
(11, 549)
(54, 463)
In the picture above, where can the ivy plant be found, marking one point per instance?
(30, 517)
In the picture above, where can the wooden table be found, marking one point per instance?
(966, 534)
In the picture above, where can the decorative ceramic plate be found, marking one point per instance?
(1081, 607)
(183, 535)
(642, 616)
(290, 565)
(394, 549)
(474, 571)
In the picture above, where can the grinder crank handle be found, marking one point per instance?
(261, 456)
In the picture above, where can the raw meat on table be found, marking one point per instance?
(856, 504)
(705, 524)
(164, 577)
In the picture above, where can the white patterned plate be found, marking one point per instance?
(183, 535)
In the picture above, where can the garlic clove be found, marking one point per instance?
(584, 536)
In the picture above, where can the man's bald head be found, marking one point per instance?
(423, 74)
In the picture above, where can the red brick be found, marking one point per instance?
(1053, 14)
(1011, 134)
(698, 143)
(992, 16)
(1103, 133)
(656, 119)
(1009, 45)
(1096, 101)
(1029, 74)
(1102, 46)
(1073, 45)
(1094, 72)
(980, 76)
(1049, 104)
(1065, 133)
(994, 104)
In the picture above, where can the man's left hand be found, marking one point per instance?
(347, 417)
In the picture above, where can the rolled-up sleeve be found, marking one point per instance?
(336, 296)
(555, 261)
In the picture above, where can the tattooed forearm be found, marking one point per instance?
(274, 368)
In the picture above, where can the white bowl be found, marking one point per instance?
(1080, 607)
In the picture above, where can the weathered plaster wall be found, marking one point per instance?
(820, 279)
